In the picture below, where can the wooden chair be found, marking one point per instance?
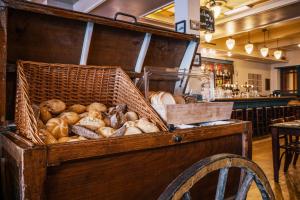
(295, 142)
(180, 187)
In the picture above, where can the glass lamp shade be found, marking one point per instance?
(230, 43)
(249, 48)
(277, 54)
(216, 10)
(208, 37)
(264, 51)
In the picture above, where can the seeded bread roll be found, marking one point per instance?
(54, 106)
(77, 108)
(97, 107)
(57, 127)
(70, 117)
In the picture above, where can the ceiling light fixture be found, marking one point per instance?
(249, 46)
(217, 10)
(237, 10)
(298, 45)
(208, 37)
(230, 42)
(265, 50)
(277, 53)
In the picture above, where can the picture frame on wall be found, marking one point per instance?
(197, 59)
(180, 26)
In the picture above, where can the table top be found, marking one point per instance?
(293, 125)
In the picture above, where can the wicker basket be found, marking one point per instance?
(38, 82)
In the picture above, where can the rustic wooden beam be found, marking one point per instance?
(3, 58)
(87, 6)
(86, 43)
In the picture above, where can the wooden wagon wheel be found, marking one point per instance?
(180, 187)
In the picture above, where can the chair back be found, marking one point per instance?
(289, 119)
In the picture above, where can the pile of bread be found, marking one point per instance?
(59, 123)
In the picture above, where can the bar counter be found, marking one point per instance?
(254, 102)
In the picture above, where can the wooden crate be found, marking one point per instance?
(195, 112)
(138, 167)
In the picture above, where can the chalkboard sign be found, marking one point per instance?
(207, 20)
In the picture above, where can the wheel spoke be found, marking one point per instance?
(187, 196)
(221, 183)
(242, 193)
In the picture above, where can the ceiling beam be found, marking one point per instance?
(87, 6)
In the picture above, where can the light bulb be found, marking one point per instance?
(264, 51)
(277, 54)
(229, 54)
(208, 37)
(249, 48)
(217, 11)
(230, 42)
(299, 45)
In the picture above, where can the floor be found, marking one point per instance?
(289, 183)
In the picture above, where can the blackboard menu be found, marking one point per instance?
(207, 20)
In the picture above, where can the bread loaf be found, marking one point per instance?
(97, 107)
(91, 123)
(57, 127)
(70, 117)
(54, 106)
(77, 108)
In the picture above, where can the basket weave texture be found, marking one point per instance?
(74, 84)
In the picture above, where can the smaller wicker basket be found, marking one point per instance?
(74, 84)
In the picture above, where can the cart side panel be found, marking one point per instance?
(140, 174)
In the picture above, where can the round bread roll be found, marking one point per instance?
(54, 106)
(146, 126)
(70, 117)
(45, 115)
(77, 108)
(105, 131)
(132, 131)
(95, 114)
(47, 137)
(57, 127)
(97, 107)
(131, 116)
(179, 99)
(91, 123)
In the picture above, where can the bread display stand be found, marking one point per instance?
(129, 167)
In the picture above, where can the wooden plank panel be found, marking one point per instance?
(140, 174)
(3, 57)
(58, 153)
(115, 47)
(44, 38)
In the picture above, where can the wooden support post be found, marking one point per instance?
(3, 58)
(142, 54)
(186, 65)
(86, 43)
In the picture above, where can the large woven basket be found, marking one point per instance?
(74, 84)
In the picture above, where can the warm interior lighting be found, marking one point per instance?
(217, 10)
(236, 10)
(208, 37)
(264, 51)
(299, 45)
(229, 54)
(277, 54)
(249, 48)
(230, 42)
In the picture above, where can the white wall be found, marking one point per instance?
(242, 68)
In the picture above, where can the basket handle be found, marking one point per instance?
(125, 14)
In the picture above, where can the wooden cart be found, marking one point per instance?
(132, 167)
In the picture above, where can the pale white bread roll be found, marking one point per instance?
(91, 123)
(132, 131)
(146, 126)
(100, 107)
(105, 131)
